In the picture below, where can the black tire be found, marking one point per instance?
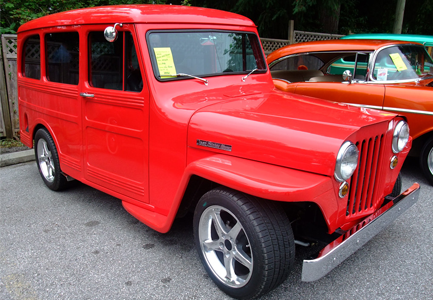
(47, 160)
(426, 160)
(254, 239)
(397, 187)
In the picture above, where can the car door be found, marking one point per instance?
(365, 94)
(115, 115)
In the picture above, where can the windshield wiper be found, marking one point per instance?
(188, 75)
(245, 77)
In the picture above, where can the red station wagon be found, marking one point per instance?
(173, 109)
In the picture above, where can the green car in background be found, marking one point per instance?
(426, 40)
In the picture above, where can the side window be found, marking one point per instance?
(301, 62)
(62, 57)
(32, 58)
(342, 64)
(360, 60)
(114, 65)
(133, 80)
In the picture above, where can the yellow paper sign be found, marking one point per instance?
(398, 62)
(164, 59)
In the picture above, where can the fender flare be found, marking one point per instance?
(251, 177)
(260, 179)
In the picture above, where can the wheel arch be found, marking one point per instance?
(419, 142)
(43, 125)
(270, 182)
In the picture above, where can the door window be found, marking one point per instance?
(114, 65)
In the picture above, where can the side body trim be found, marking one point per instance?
(403, 110)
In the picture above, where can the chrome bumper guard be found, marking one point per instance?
(355, 238)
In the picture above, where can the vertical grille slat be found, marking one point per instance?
(361, 167)
(375, 166)
(379, 180)
(364, 182)
(365, 185)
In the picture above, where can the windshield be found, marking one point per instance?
(204, 53)
(402, 63)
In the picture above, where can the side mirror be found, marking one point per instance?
(110, 33)
(347, 75)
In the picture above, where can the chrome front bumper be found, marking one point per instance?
(340, 249)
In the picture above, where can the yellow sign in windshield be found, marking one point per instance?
(398, 62)
(164, 59)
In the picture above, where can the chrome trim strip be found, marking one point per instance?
(364, 105)
(315, 269)
(411, 111)
(404, 110)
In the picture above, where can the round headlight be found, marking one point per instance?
(400, 136)
(347, 161)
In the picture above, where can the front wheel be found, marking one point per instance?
(245, 244)
(426, 160)
(397, 187)
(47, 159)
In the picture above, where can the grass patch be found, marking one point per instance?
(10, 143)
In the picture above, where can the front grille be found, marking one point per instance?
(366, 183)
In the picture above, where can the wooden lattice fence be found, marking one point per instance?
(270, 45)
(8, 82)
(305, 36)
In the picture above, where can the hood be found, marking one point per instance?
(282, 129)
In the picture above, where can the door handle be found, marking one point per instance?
(86, 95)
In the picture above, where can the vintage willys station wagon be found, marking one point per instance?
(173, 109)
(395, 76)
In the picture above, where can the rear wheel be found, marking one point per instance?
(426, 160)
(47, 159)
(245, 244)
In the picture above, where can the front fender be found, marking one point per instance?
(262, 180)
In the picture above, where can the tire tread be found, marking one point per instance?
(275, 236)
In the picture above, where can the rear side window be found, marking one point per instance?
(62, 57)
(114, 65)
(299, 62)
(32, 58)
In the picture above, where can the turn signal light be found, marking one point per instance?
(344, 189)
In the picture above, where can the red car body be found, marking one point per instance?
(165, 144)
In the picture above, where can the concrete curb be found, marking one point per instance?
(13, 158)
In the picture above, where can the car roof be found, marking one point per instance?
(426, 40)
(164, 14)
(332, 45)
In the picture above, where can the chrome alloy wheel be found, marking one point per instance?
(225, 246)
(45, 161)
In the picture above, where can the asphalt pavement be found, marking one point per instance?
(82, 244)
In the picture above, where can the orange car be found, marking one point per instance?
(394, 76)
